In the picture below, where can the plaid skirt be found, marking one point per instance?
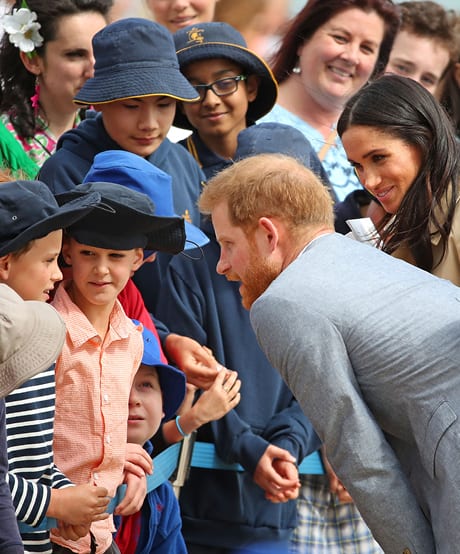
(325, 526)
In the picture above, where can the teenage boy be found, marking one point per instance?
(31, 225)
(135, 87)
(103, 350)
(156, 393)
(424, 45)
(31, 337)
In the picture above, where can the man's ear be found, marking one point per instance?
(252, 87)
(33, 64)
(269, 232)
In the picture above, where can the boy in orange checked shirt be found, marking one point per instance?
(103, 350)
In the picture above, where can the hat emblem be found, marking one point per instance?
(196, 35)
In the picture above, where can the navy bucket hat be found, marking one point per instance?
(172, 381)
(29, 211)
(135, 57)
(220, 40)
(136, 173)
(128, 221)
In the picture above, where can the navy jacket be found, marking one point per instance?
(160, 531)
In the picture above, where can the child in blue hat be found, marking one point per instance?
(157, 392)
(136, 85)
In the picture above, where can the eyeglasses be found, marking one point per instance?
(221, 87)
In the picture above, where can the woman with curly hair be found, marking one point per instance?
(45, 57)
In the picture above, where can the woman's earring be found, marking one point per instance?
(296, 69)
(35, 99)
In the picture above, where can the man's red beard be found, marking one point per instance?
(258, 277)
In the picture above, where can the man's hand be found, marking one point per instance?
(335, 485)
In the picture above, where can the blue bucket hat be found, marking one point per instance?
(136, 173)
(29, 211)
(135, 57)
(172, 381)
(220, 40)
(128, 221)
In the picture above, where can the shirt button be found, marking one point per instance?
(106, 398)
(107, 439)
(96, 476)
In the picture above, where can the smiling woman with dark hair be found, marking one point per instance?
(404, 151)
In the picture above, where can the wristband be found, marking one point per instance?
(179, 428)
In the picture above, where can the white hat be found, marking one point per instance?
(31, 337)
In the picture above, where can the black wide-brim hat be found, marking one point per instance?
(220, 40)
(134, 57)
(128, 221)
(29, 211)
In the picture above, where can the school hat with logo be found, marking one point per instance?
(220, 40)
(135, 57)
(136, 173)
(128, 221)
(172, 381)
(28, 211)
(31, 337)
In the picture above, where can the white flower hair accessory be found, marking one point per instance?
(22, 29)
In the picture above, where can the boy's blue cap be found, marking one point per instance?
(128, 221)
(172, 381)
(220, 40)
(134, 57)
(29, 211)
(136, 173)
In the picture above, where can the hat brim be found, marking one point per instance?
(163, 234)
(67, 214)
(42, 348)
(253, 65)
(172, 383)
(134, 81)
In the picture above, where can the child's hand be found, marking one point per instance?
(137, 460)
(277, 474)
(71, 532)
(79, 505)
(220, 398)
(196, 361)
(136, 490)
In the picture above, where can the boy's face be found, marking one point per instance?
(99, 274)
(34, 273)
(219, 116)
(423, 59)
(145, 405)
(139, 125)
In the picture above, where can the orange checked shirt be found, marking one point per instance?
(93, 382)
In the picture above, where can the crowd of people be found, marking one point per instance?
(179, 265)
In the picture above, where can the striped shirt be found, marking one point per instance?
(32, 472)
(93, 382)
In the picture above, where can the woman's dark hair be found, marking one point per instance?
(17, 85)
(402, 108)
(318, 12)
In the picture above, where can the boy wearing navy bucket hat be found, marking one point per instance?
(136, 85)
(157, 392)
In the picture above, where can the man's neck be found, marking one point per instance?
(307, 238)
